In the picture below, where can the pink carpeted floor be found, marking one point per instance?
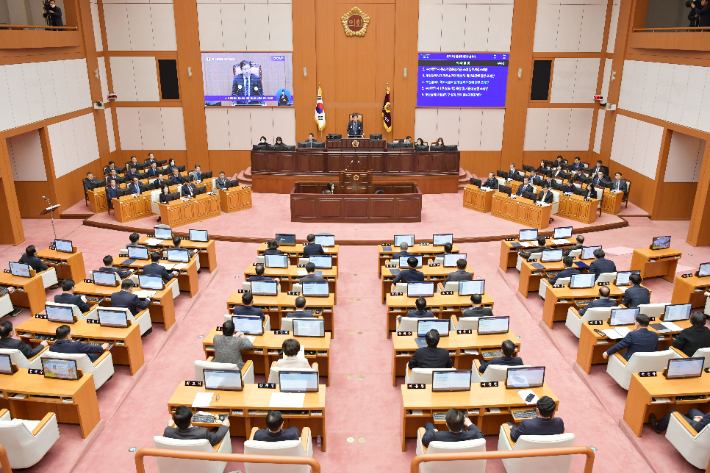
(134, 409)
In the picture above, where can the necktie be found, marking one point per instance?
(617, 185)
(248, 85)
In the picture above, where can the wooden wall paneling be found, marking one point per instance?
(383, 42)
(229, 161)
(481, 163)
(123, 156)
(403, 92)
(305, 89)
(325, 66)
(658, 183)
(699, 231)
(11, 232)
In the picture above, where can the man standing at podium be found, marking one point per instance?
(355, 125)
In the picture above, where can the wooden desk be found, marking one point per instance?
(691, 290)
(531, 277)
(509, 252)
(187, 278)
(640, 405)
(654, 263)
(235, 199)
(431, 274)
(289, 276)
(184, 212)
(426, 251)
(97, 200)
(574, 207)
(133, 207)
(296, 251)
(267, 349)
(443, 307)
(559, 299)
(282, 304)
(68, 265)
(128, 348)
(475, 198)
(478, 398)
(206, 250)
(161, 307)
(30, 291)
(248, 408)
(611, 202)
(73, 402)
(521, 210)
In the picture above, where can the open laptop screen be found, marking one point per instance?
(409, 239)
(223, 380)
(404, 263)
(276, 261)
(105, 278)
(112, 318)
(452, 259)
(322, 262)
(20, 269)
(677, 312)
(581, 281)
(315, 289)
(308, 328)
(623, 316)
(63, 246)
(59, 314)
(152, 283)
(325, 240)
(459, 380)
(527, 235)
(562, 232)
(298, 381)
(440, 239)
(199, 235)
(177, 255)
(517, 378)
(493, 325)
(162, 233)
(440, 325)
(137, 252)
(264, 288)
(588, 252)
(248, 325)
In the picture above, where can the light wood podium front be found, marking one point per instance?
(611, 202)
(475, 198)
(70, 266)
(235, 199)
(691, 290)
(653, 263)
(30, 291)
(574, 207)
(183, 212)
(521, 210)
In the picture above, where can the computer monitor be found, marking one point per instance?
(20, 269)
(286, 239)
(588, 252)
(447, 381)
(322, 262)
(59, 314)
(581, 281)
(137, 252)
(162, 233)
(493, 325)
(623, 316)
(5, 364)
(223, 380)
(408, 239)
(551, 256)
(451, 259)
(562, 232)
(325, 240)
(404, 261)
(527, 235)
(677, 312)
(469, 288)
(315, 289)
(685, 368)
(151, 283)
(440, 239)
(505, 190)
(248, 324)
(519, 378)
(105, 278)
(63, 246)
(264, 288)
(60, 369)
(276, 261)
(661, 243)
(178, 255)
(622, 277)
(420, 289)
(308, 327)
(440, 325)
(298, 381)
(704, 270)
(199, 235)
(113, 318)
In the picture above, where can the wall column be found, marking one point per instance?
(11, 232)
(699, 231)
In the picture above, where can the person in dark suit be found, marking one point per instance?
(312, 276)
(508, 348)
(312, 248)
(163, 197)
(601, 264)
(460, 428)
(189, 189)
(153, 170)
(703, 12)
(421, 311)
(65, 344)
(176, 177)
(183, 430)
(177, 241)
(460, 274)
(541, 168)
(259, 268)
(559, 161)
(491, 182)
(599, 167)
(90, 182)
(636, 294)
(221, 181)
(411, 274)
(246, 84)
(273, 248)
(111, 166)
(695, 337)
(448, 248)
(618, 184)
(641, 340)
(160, 181)
(532, 176)
(135, 186)
(577, 246)
(300, 312)
(599, 179)
(112, 174)
(403, 247)
(525, 187)
(7, 342)
(154, 269)
(196, 174)
(53, 14)
(545, 195)
(311, 139)
(126, 298)
(248, 309)
(133, 239)
(275, 431)
(171, 166)
(541, 246)
(133, 172)
(567, 272)
(577, 164)
(112, 193)
(544, 424)
(151, 159)
(696, 418)
(68, 297)
(558, 173)
(603, 300)
(355, 126)
(477, 309)
(108, 267)
(430, 356)
(30, 257)
(569, 187)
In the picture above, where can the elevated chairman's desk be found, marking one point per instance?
(509, 252)
(206, 250)
(431, 274)
(427, 250)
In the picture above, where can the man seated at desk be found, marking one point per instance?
(403, 246)
(525, 187)
(133, 238)
(696, 418)
(603, 300)
(221, 181)
(312, 276)
(68, 297)
(577, 164)
(177, 241)
(311, 139)
(135, 186)
(259, 268)
(411, 274)
(151, 159)
(183, 430)
(132, 173)
(300, 311)
(601, 264)
(176, 177)
(544, 424)
(477, 309)
(508, 348)
(545, 195)
(90, 182)
(248, 308)
(155, 269)
(460, 274)
(541, 242)
(448, 248)
(152, 171)
(65, 344)
(355, 125)
(196, 174)
(569, 188)
(430, 356)
(272, 248)
(599, 179)
(460, 428)
(312, 248)
(7, 342)
(189, 190)
(160, 182)
(695, 337)
(579, 244)
(111, 167)
(421, 311)
(112, 192)
(641, 340)
(108, 268)
(491, 182)
(291, 360)
(125, 298)
(567, 272)
(618, 184)
(228, 346)
(636, 294)
(30, 258)
(275, 431)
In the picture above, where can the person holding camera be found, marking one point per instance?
(53, 14)
(703, 12)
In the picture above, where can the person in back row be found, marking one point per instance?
(274, 431)
(125, 298)
(177, 241)
(430, 356)
(491, 182)
(641, 340)
(7, 342)
(448, 248)
(460, 428)
(183, 430)
(65, 344)
(567, 272)
(508, 358)
(68, 297)
(601, 264)
(403, 246)
(421, 311)
(30, 257)
(603, 300)
(259, 268)
(312, 276)
(248, 308)
(460, 274)
(411, 274)
(477, 309)
(108, 268)
(133, 238)
(155, 269)
(300, 312)
(291, 360)
(312, 248)
(544, 424)
(273, 248)
(695, 337)
(577, 246)
(228, 346)
(636, 294)
(541, 246)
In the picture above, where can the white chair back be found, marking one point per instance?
(705, 353)
(201, 366)
(246, 286)
(6, 305)
(286, 448)
(559, 464)
(451, 286)
(562, 281)
(606, 277)
(575, 253)
(468, 323)
(469, 466)
(652, 310)
(401, 287)
(439, 260)
(297, 288)
(694, 448)
(304, 260)
(18, 358)
(535, 256)
(597, 313)
(423, 375)
(260, 259)
(23, 448)
(409, 324)
(171, 465)
(498, 372)
(101, 372)
(74, 309)
(123, 252)
(653, 361)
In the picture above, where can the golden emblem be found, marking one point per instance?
(356, 143)
(355, 22)
(356, 177)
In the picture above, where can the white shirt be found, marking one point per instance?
(292, 362)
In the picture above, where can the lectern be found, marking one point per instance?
(356, 182)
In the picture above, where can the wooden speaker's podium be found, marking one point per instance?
(356, 182)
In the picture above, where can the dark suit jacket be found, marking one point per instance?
(547, 198)
(155, 269)
(176, 179)
(25, 349)
(259, 278)
(622, 185)
(420, 314)
(355, 128)
(431, 357)
(503, 360)
(67, 298)
(570, 188)
(152, 172)
(221, 183)
(602, 265)
(472, 433)
(596, 169)
(596, 181)
(65, 346)
(128, 300)
(264, 435)
(409, 275)
(565, 273)
(111, 193)
(273, 252)
(636, 295)
(34, 262)
(638, 341)
(300, 314)
(524, 188)
(491, 183)
(186, 188)
(121, 274)
(249, 310)
(90, 184)
(459, 275)
(688, 341)
(160, 184)
(197, 433)
(149, 162)
(598, 303)
(131, 187)
(130, 175)
(538, 426)
(313, 249)
(478, 312)
(576, 166)
(312, 278)
(574, 247)
(397, 256)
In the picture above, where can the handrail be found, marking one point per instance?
(224, 457)
(4, 461)
(497, 455)
(686, 28)
(38, 27)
